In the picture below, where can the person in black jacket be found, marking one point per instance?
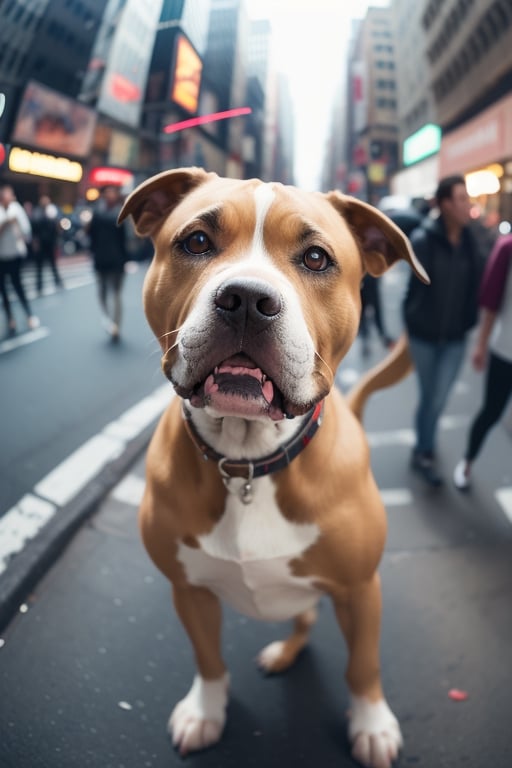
(45, 233)
(109, 251)
(438, 316)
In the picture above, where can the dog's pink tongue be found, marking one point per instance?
(268, 391)
(242, 401)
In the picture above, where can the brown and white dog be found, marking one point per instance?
(259, 489)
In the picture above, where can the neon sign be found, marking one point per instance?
(38, 164)
(203, 119)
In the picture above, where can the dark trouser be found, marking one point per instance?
(46, 255)
(498, 388)
(12, 267)
(111, 282)
(370, 300)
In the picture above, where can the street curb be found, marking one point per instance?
(39, 554)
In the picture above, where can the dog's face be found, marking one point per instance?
(254, 290)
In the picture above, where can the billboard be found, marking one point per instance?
(186, 82)
(127, 61)
(50, 121)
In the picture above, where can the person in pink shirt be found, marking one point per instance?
(494, 348)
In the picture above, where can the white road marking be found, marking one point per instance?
(23, 521)
(140, 415)
(396, 497)
(504, 498)
(129, 490)
(407, 436)
(455, 421)
(26, 338)
(391, 437)
(73, 474)
(348, 376)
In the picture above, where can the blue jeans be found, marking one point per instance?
(437, 365)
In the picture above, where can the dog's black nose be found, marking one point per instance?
(248, 299)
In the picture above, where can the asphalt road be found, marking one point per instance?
(93, 663)
(68, 381)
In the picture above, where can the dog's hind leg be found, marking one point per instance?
(281, 654)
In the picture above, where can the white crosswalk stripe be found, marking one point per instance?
(76, 271)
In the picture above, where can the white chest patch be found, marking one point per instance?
(245, 559)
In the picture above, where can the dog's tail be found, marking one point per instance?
(395, 367)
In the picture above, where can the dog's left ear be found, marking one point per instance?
(152, 200)
(381, 241)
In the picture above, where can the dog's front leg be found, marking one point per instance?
(197, 721)
(373, 730)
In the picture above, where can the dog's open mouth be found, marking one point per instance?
(237, 386)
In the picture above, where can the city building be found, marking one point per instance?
(469, 57)
(45, 48)
(372, 133)
(95, 93)
(454, 76)
(419, 134)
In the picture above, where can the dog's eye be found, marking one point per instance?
(316, 259)
(197, 244)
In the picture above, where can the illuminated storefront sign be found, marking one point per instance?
(484, 139)
(38, 164)
(103, 176)
(423, 143)
(187, 76)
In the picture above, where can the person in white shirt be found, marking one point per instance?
(15, 231)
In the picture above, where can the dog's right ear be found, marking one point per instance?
(152, 200)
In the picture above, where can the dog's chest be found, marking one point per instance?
(246, 558)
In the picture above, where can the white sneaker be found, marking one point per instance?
(461, 476)
(33, 322)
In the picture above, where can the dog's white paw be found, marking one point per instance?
(374, 733)
(272, 658)
(197, 721)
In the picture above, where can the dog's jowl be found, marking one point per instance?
(259, 490)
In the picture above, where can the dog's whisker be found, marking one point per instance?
(169, 333)
(170, 349)
(329, 379)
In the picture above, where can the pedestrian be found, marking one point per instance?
(371, 309)
(438, 316)
(493, 348)
(109, 250)
(15, 232)
(45, 233)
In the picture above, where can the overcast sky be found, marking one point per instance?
(310, 40)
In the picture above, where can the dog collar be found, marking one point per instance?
(249, 470)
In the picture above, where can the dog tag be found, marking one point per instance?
(246, 493)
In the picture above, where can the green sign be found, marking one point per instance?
(423, 143)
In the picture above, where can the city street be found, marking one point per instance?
(94, 660)
(62, 383)
(169, 107)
